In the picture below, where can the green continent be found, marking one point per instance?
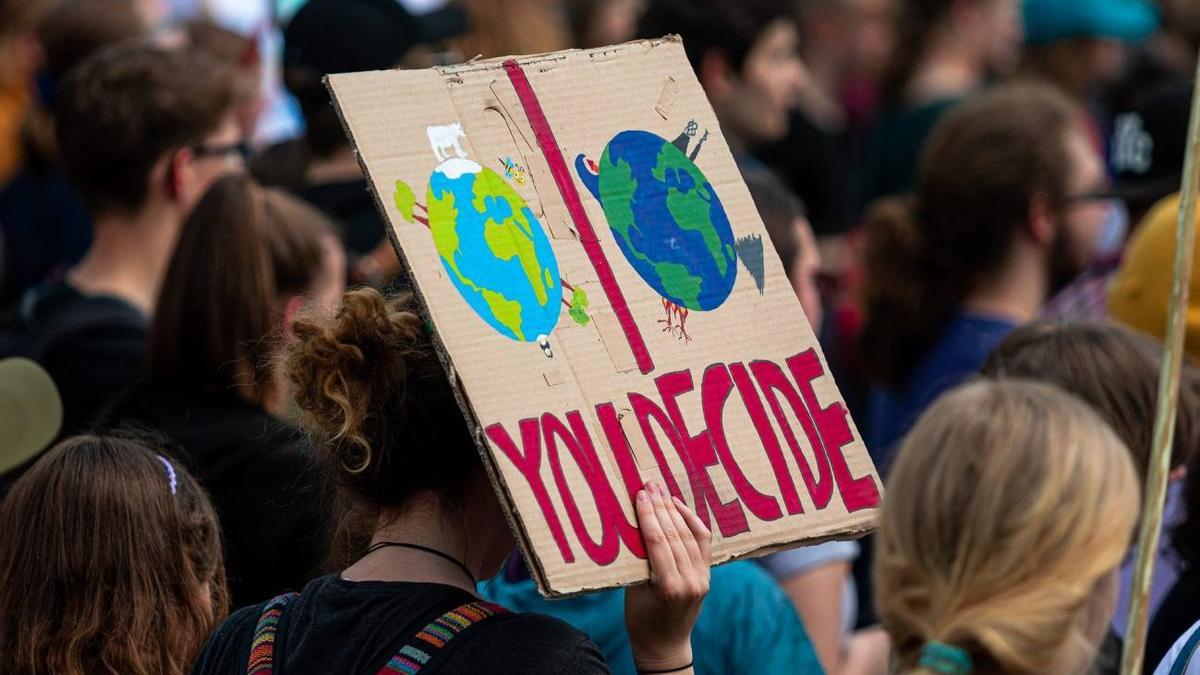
(691, 210)
(617, 185)
(403, 196)
(508, 312)
(443, 217)
(680, 282)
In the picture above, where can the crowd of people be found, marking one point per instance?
(228, 445)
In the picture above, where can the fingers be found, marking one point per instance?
(662, 560)
(700, 533)
(690, 545)
(666, 512)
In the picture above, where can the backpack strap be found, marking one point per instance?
(431, 640)
(262, 648)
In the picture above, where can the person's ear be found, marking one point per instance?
(291, 307)
(179, 175)
(715, 75)
(1041, 223)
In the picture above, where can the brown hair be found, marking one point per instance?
(236, 52)
(502, 27)
(1009, 506)
(373, 393)
(111, 560)
(978, 174)
(1111, 368)
(70, 31)
(76, 29)
(126, 108)
(1060, 63)
(241, 251)
(729, 27)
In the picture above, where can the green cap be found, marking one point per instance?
(30, 411)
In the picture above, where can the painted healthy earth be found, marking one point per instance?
(492, 246)
(494, 250)
(667, 220)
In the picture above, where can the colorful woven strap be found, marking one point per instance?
(433, 638)
(262, 649)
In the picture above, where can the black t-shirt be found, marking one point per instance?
(91, 345)
(344, 627)
(269, 496)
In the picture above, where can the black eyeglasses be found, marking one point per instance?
(1099, 193)
(240, 149)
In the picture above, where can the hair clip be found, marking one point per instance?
(171, 478)
(945, 659)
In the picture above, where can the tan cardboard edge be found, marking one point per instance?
(494, 476)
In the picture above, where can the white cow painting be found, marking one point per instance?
(446, 137)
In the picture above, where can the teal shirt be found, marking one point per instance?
(747, 623)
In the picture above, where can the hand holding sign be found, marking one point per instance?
(660, 615)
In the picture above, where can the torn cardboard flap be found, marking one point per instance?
(617, 317)
(666, 99)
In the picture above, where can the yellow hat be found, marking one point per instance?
(1141, 290)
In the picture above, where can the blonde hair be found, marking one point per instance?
(1008, 505)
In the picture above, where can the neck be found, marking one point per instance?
(426, 523)
(339, 167)
(1017, 292)
(129, 256)
(947, 69)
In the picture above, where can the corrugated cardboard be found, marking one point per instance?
(575, 405)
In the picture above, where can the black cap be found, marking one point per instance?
(345, 36)
(1149, 142)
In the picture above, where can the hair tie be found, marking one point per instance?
(171, 479)
(945, 659)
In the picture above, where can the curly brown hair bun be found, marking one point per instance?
(373, 393)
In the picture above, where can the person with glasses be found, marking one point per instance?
(143, 131)
(1006, 213)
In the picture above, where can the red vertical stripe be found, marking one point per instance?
(566, 187)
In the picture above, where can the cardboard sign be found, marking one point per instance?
(609, 305)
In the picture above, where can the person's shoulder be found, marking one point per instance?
(786, 564)
(532, 626)
(527, 642)
(228, 647)
(95, 325)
